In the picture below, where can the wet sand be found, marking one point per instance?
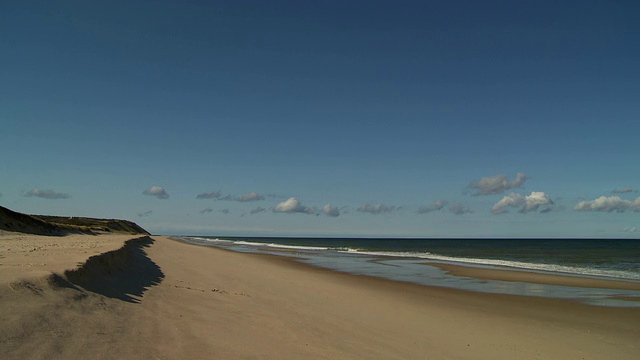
(535, 278)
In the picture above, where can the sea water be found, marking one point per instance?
(408, 260)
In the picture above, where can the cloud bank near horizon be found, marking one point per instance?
(523, 202)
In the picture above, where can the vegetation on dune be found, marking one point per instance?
(59, 225)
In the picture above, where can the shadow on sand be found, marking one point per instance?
(123, 274)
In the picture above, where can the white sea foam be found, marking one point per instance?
(204, 241)
(576, 270)
(280, 246)
(544, 267)
(216, 240)
(249, 243)
(298, 247)
(422, 255)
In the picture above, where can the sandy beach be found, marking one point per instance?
(153, 297)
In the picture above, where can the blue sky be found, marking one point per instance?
(350, 118)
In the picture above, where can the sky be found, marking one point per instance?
(332, 118)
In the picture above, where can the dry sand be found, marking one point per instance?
(162, 299)
(32, 256)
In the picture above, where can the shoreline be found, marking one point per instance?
(199, 303)
(333, 249)
(478, 273)
(599, 291)
(462, 269)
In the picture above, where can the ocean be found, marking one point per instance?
(409, 259)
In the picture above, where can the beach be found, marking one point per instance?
(158, 298)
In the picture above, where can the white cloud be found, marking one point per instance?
(608, 204)
(157, 191)
(535, 201)
(511, 200)
(211, 195)
(47, 194)
(375, 209)
(252, 196)
(459, 209)
(436, 206)
(630, 229)
(497, 184)
(292, 205)
(331, 210)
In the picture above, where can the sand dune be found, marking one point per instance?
(11, 221)
(65, 297)
(15, 222)
(157, 298)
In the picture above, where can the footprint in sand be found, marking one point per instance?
(188, 288)
(214, 290)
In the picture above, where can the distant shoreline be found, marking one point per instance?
(405, 260)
